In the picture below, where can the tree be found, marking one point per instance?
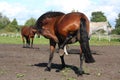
(109, 25)
(4, 21)
(30, 22)
(117, 26)
(13, 26)
(98, 17)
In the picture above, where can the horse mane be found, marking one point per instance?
(48, 14)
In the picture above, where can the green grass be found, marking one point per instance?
(42, 40)
(18, 40)
(96, 41)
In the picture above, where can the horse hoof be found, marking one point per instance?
(63, 67)
(90, 61)
(80, 73)
(47, 69)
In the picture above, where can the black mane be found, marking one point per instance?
(47, 15)
(50, 14)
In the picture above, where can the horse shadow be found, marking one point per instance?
(31, 47)
(77, 51)
(58, 67)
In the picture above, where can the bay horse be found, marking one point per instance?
(28, 33)
(63, 29)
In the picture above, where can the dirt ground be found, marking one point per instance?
(17, 63)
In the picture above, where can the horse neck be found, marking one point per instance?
(52, 23)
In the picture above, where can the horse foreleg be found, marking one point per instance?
(52, 49)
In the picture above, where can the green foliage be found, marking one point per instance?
(2, 72)
(30, 22)
(98, 17)
(19, 75)
(4, 21)
(109, 25)
(12, 27)
(117, 26)
(116, 31)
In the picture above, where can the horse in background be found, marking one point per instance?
(63, 29)
(28, 33)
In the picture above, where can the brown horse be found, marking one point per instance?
(28, 33)
(64, 29)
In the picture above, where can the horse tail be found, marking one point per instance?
(84, 41)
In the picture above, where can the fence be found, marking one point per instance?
(12, 35)
(98, 36)
(107, 37)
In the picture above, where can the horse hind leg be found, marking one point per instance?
(23, 41)
(32, 42)
(81, 71)
(27, 42)
(63, 62)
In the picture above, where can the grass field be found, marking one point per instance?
(42, 40)
(18, 40)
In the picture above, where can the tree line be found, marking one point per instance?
(12, 26)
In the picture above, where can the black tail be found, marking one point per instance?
(84, 41)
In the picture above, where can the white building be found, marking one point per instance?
(95, 26)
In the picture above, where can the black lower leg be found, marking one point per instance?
(62, 60)
(81, 71)
(28, 42)
(48, 68)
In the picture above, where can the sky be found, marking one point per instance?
(23, 10)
